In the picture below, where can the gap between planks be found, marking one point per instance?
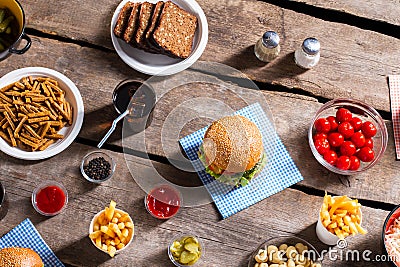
(339, 17)
(302, 188)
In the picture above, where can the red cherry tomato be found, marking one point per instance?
(368, 129)
(357, 123)
(354, 163)
(348, 148)
(342, 115)
(343, 163)
(358, 139)
(322, 146)
(322, 125)
(366, 154)
(335, 139)
(330, 157)
(320, 136)
(369, 143)
(333, 123)
(346, 129)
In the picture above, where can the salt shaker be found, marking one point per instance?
(307, 56)
(267, 47)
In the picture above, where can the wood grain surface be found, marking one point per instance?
(354, 62)
(73, 37)
(290, 212)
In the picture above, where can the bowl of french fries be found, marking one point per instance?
(41, 113)
(111, 230)
(339, 217)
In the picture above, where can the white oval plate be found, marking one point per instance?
(157, 64)
(72, 95)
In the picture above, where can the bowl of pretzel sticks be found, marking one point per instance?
(41, 113)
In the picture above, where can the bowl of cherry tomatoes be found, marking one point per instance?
(347, 136)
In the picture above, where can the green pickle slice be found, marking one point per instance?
(187, 257)
(192, 247)
(186, 251)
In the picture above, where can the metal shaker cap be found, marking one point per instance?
(270, 39)
(311, 46)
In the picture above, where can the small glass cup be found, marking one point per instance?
(178, 238)
(93, 155)
(163, 201)
(55, 188)
(364, 112)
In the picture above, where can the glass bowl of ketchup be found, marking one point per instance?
(49, 198)
(163, 201)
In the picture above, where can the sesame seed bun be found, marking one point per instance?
(233, 144)
(19, 257)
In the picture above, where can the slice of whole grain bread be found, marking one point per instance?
(122, 19)
(152, 25)
(132, 24)
(175, 30)
(146, 11)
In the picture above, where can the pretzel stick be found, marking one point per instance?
(22, 121)
(9, 120)
(13, 142)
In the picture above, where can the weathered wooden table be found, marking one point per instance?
(360, 47)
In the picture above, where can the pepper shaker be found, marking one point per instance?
(307, 56)
(267, 47)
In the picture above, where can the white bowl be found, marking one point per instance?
(95, 219)
(73, 96)
(157, 64)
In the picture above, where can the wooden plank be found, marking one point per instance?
(376, 10)
(96, 74)
(354, 65)
(234, 238)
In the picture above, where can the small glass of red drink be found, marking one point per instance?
(163, 201)
(49, 198)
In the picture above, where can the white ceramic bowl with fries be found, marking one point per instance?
(67, 132)
(100, 220)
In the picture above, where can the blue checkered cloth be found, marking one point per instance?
(279, 173)
(25, 235)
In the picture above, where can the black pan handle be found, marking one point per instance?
(23, 50)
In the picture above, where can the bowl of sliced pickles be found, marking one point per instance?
(185, 250)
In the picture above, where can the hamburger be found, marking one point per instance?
(19, 257)
(232, 150)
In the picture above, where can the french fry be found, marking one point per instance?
(110, 210)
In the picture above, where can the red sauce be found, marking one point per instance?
(50, 199)
(163, 202)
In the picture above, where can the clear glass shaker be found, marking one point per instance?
(307, 56)
(267, 47)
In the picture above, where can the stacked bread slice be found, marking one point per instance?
(163, 28)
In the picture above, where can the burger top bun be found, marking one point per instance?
(233, 144)
(19, 257)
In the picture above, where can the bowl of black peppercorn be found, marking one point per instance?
(97, 167)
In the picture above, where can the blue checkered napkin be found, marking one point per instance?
(25, 235)
(279, 173)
